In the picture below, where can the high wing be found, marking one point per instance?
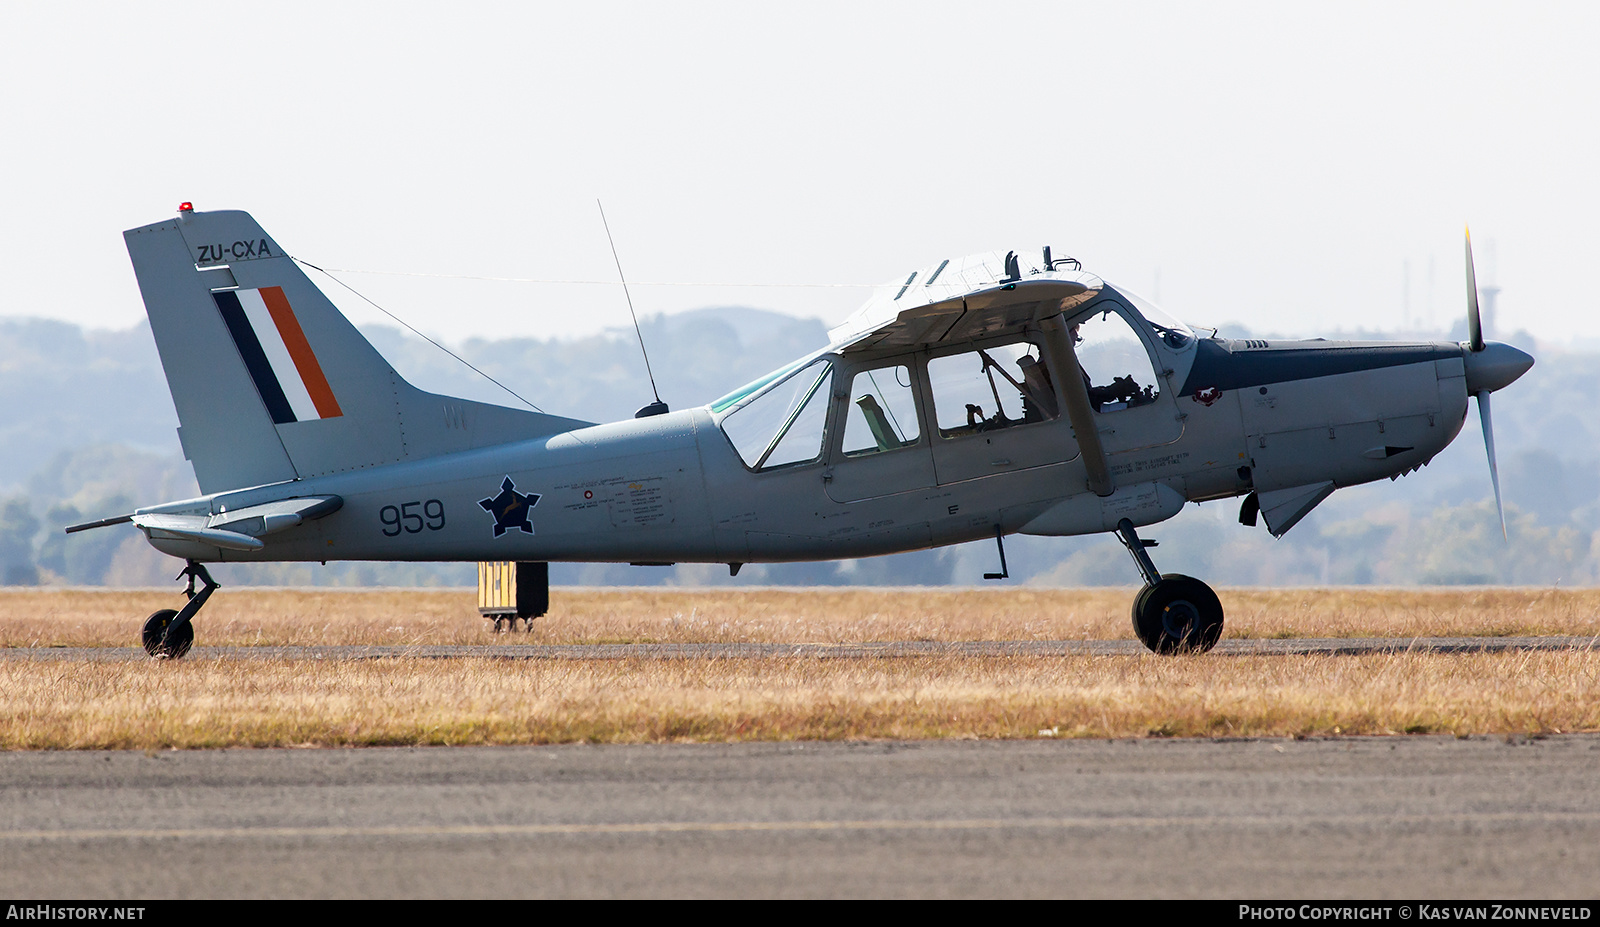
(964, 299)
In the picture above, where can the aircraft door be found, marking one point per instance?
(995, 409)
(1134, 406)
(882, 450)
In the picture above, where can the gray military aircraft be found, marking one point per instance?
(975, 398)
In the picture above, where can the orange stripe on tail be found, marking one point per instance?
(300, 351)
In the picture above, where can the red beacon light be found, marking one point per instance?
(186, 207)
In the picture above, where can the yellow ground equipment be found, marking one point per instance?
(508, 590)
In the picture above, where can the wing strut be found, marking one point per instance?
(1079, 412)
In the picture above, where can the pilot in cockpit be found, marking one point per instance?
(1123, 391)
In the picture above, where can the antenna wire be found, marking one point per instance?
(648, 372)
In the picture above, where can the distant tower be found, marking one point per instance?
(1486, 298)
(1405, 295)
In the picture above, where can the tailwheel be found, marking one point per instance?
(1177, 614)
(155, 632)
(169, 634)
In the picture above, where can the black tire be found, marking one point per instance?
(156, 625)
(1180, 614)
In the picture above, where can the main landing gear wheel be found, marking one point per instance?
(1172, 613)
(155, 629)
(1177, 614)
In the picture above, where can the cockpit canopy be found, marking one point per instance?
(964, 329)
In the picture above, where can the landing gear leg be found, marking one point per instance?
(169, 634)
(1172, 613)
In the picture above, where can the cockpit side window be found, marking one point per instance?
(785, 424)
(993, 387)
(882, 414)
(1116, 365)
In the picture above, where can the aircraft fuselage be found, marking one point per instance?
(1244, 415)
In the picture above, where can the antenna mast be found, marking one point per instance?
(658, 407)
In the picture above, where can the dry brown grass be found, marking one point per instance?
(111, 618)
(216, 702)
(211, 701)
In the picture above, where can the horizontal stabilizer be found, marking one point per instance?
(240, 529)
(272, 517)
(193, 528)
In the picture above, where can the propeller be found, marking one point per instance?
(1490, 366)
(1488, 443)
(1475, 344)
(1474, 320)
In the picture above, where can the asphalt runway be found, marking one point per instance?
(887, 649)
(1422, 818)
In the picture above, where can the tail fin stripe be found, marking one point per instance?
(278, 357)
(255, 359)
(311, 377)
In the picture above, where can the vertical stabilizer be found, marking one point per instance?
(270, 381)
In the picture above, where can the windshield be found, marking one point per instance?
(1173, 333)
(785, 424)
(754, 386)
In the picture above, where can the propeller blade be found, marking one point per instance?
(1488, 443)
(1474, 321)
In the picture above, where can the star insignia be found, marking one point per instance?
(510, 508)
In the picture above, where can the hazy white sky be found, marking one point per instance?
(1275, 164)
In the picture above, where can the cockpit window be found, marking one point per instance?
(994, 387)
(785, 424)
(1116, 365)
(882, 414)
